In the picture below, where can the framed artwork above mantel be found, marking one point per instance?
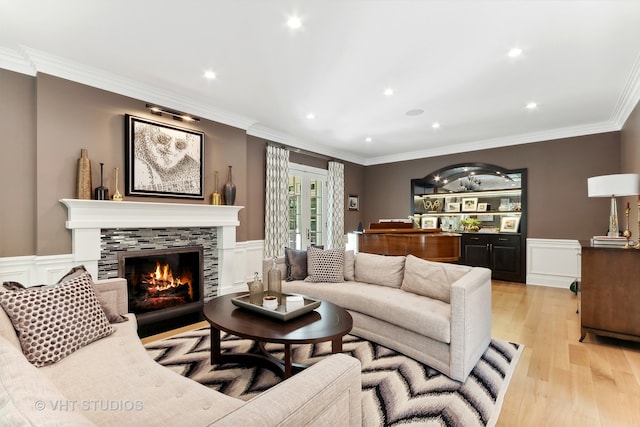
(163, 160)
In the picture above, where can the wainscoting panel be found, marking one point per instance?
(248, 256)
(32, 270)
(553, 262)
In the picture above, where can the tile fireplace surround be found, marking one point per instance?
(86, 219)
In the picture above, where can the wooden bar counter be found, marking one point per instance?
(430, 244)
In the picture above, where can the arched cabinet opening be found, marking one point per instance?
(487, 204)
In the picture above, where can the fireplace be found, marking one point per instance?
(163, 283)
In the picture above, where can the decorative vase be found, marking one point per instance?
(229, 190)
(216, 198)
(274, 285)
(101, 193)
(83, 189)
(117, 196)
(256, 291)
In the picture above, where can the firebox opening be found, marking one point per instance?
(163, 283)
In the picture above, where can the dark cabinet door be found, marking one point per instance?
(476, 250)
(505, 257)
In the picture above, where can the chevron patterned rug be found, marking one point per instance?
(397, 390)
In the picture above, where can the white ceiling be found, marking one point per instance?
(580, 63)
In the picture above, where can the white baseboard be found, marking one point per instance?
(553, 262)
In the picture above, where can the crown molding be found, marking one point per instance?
(261, 131)
(568, 132)
(14, 61)
(60, 67)
(629, 97)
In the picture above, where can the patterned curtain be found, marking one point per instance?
(276, 215)
(335, 206)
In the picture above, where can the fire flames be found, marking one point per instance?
(161, 281)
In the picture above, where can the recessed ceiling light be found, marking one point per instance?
(209, 75)
(388, 91)
(294, 22)
(311, 116)
(368, 139)
(532, 106)
(514, 52)
(414, 112)
(436, 125)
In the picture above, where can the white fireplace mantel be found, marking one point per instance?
(109, 214)
(87, 217)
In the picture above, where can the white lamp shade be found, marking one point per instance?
(622, 184)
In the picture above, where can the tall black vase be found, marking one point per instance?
(229, 191)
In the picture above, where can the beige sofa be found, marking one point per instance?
(436, 313)
(114, 382)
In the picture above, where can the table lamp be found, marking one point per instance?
(623, 184)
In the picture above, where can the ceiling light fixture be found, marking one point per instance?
(177, 115)
(532, 106)
(436, 125)
(294, 22)
(311, 116)
(388, 91)
(368, 139)
(514, 52)
(209, 75)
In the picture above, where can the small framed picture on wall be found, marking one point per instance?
(353, 203)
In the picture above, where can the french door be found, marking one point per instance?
(307, 206)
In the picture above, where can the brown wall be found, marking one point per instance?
(17, 164)
(557, 183)
(630, 143)
(256, 177)
(354, 184)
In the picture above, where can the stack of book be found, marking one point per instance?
(606, 241)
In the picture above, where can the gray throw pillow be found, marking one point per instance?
(296, 262)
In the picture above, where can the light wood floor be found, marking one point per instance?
(558, 381)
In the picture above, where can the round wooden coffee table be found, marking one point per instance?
(328, 322)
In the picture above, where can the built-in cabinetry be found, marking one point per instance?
(499, 252)
(610, 292)
(487, 204)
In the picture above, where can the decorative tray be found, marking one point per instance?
(280, 313)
